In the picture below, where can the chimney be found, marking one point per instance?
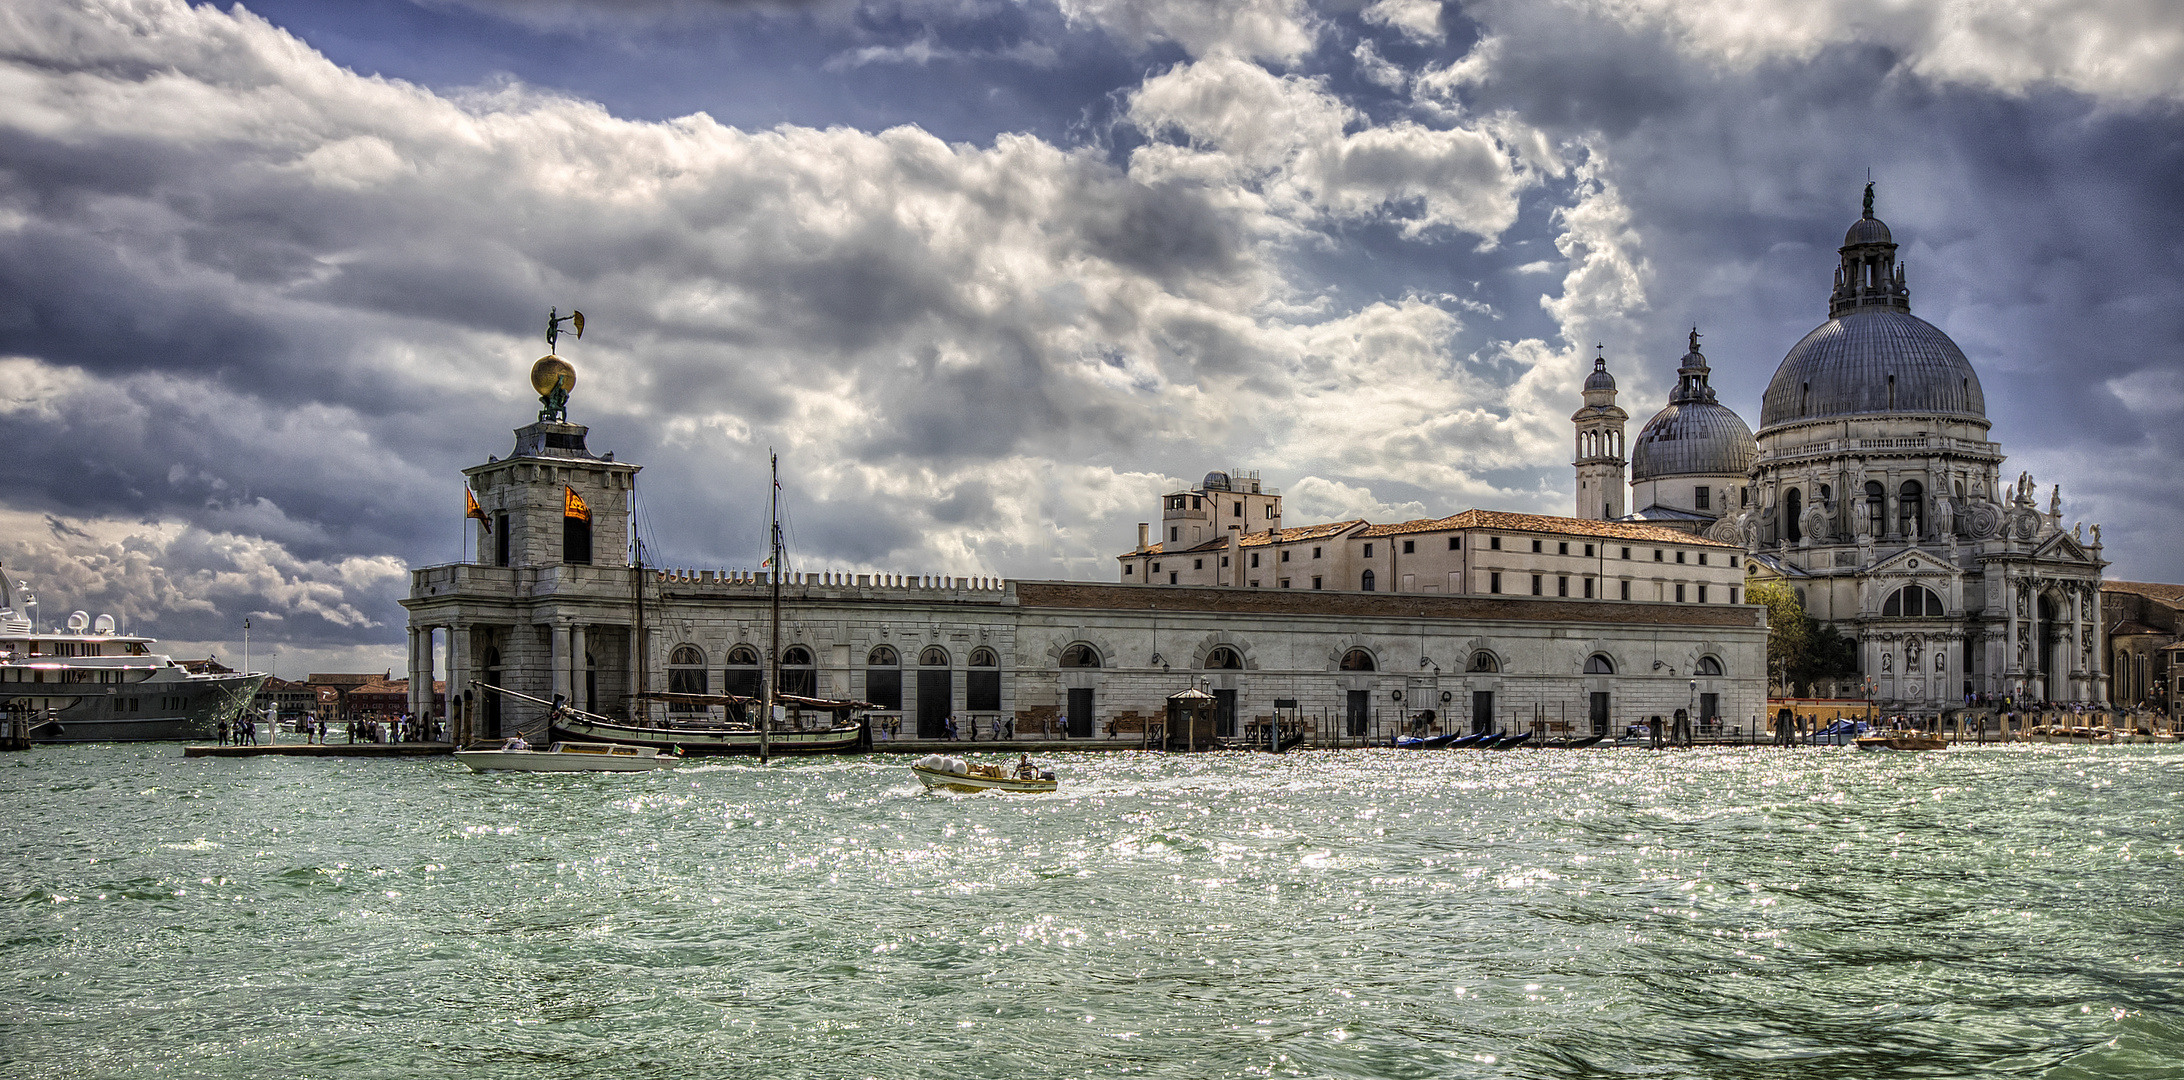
(1144, 530)
(1236, 556)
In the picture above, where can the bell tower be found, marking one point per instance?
(1601, 490)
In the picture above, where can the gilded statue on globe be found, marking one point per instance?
(552, 376)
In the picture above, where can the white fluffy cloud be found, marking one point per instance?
(2125, 49)
(1284, 147)
(1264, 29)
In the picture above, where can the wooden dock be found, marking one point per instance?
(365, 750)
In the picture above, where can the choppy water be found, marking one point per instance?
(1750, 913)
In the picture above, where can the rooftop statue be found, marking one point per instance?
(552, 377)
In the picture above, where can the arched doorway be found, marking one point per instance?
(936, 693)
(1793, 510)
(1080, 703)
(1224, 698)
(1358, 713)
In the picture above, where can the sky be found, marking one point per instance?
(991, 275)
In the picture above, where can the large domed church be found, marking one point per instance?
(1873, 490)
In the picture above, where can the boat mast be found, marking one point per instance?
(642, 645)
(773, 641)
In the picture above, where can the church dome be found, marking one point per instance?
(1874, 361)
(1692, 438)
(1867, 230)
(1600, 379)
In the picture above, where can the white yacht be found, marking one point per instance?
(87, 683)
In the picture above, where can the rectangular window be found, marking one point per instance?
(1732, 562)
(1315, 583)
(500, 539)
(1588, 551)
(1196, 502)
(1368, 551)
(1254, 560)
(1701, 498)
(1656, 554)
(1239, 510)
(1224, 560)
(1679, 556)
(1198, 564)
(1285, 554)
(1702, 558)
(1535, 547)
(1455, 543)
(1562, 547)
(1493, 543)
(1493, 582)
(1172, 531)
(1562, 586)
(1315, 553)
(1171, 577)
(1128, 569)
(1156, 568)
(1536, 589)
(1410, 546)
(1626, 590)
(1254, 583)
(1270, 511)
(1626, 553)
(1679, 593)
(1732, 594)
(1285, 583)
(1702, 594)
(1588, 588)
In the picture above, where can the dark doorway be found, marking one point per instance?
(493, 700)
(1080, 714)
(1224, 713)
(1360, 717)
(2051, 639)
(1709, 708)
(576, 541)
(936, 694)
(591, 685)
(1600, 712)
(1482, 711)
(1793, 505)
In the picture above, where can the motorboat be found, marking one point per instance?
(1900, 740)
(567, 757)
(87, 682)
(1842, 732)
(939, 772)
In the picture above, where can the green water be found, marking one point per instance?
(1747, 913)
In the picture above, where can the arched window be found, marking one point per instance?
(686, 675)
(1876, 498)
(1358, 660)
(1597, 664)
(1484, 662)
(982, 684)
(1793, 510)
(1366, 583)
(1911, 509)
(1224, 659)
(1913, 601)
(1707, 666)
(797, 674)
(933, 656)
(883, 677)
(743, 676)
(1080, 656)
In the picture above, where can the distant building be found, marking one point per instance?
(1872, 489)
(2145, 625)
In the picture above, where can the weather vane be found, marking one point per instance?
(552, 376)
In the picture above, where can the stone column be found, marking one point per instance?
(2099, 672)
(458, 684)
(420, 667)
(558, 658)
(577, 667)
(421, 689)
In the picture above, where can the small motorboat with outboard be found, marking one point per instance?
(939, 772)
(519, 756)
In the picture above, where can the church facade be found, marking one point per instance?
(1873, 489)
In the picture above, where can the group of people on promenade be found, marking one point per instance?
(996, 730)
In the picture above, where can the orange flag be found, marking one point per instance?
(471, 510)
(572, 504)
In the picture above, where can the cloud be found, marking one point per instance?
(2128, 50)
(1290, 150)
(1260, 29)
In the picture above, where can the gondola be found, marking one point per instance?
(1473, 740)
(1512, 742)
(1572, 744)
(1434, 742)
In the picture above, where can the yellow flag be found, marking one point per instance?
(572, 504)
(471, 510)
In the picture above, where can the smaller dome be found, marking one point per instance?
(1216, 481)
(1867, 230)
(1692, 438)
(1600, 379)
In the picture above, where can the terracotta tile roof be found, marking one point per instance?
(1257, 539)
(2130, 627)
(1504, 521)
(1312, 602)
(2152, 590)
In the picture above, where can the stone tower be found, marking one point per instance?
(1600, 488)
(530, 519)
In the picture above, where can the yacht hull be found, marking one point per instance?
(157, 711)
